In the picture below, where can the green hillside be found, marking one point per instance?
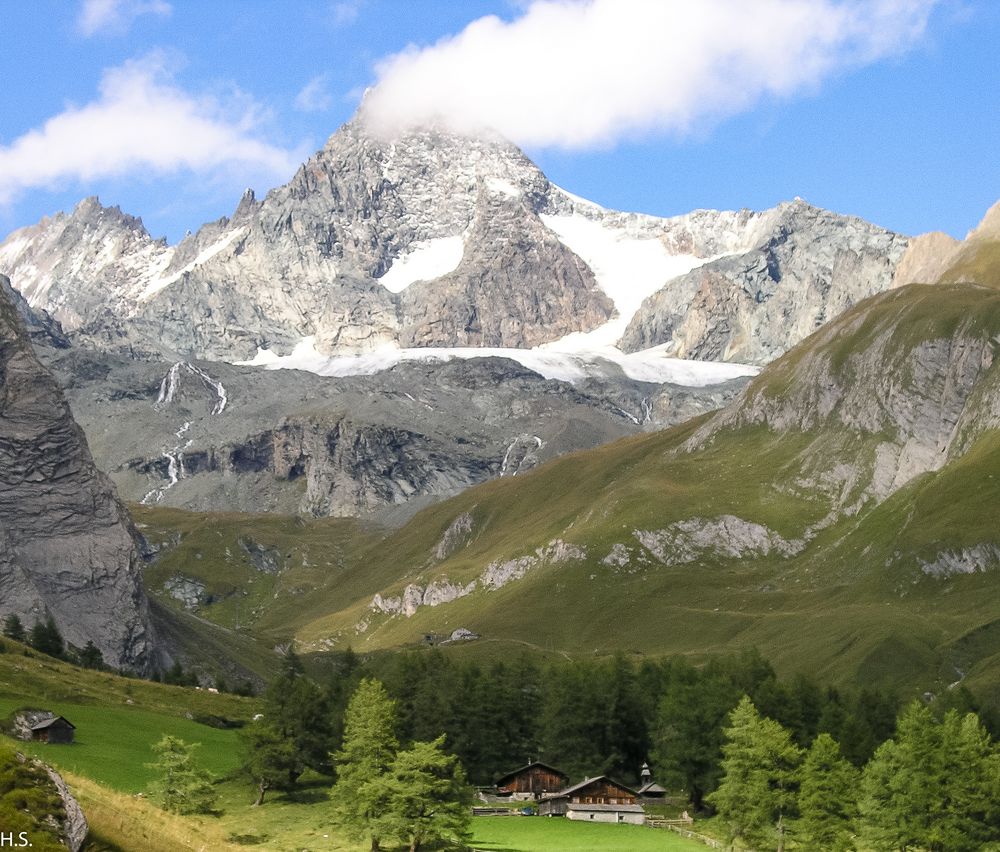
(851, 601)
(839, 517)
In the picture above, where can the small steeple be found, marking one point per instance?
(645, 776)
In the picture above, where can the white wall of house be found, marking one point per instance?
(606, 816)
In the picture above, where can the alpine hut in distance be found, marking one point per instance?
(531, 782)
(58, 729)
(596, 799)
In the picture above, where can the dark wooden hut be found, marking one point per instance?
(56, 730)
(532, 781)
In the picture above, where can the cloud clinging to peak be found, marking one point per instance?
(116, 16)
(589, 73)
(142, 122)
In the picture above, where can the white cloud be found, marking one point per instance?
(584, 73)
(141, 123)
(116, 16)
(315, 95)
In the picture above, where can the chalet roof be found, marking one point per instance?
(628, 809)
(48, 723)
(569, 791)
(651, 787)
(536, 763)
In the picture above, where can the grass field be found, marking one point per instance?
(114, 744)
(541, 834)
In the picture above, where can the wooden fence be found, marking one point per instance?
(683, 828)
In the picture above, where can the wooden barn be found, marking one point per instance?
(531, 782)
(59, 729)
(595, 800)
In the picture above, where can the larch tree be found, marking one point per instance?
(367, 753)
(827, 800)
(756, 795)
(180, 786)
(424, 798)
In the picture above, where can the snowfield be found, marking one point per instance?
(650, 365)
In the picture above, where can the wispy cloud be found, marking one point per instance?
(315, 95)
(345, 12)
(115, 17)
(142, 122)
(588, 73)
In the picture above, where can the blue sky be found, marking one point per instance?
(896, 119)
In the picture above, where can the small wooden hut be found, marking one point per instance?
(58, 729)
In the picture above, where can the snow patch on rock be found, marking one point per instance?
(574, 365)
(628, 263)
(425, 260)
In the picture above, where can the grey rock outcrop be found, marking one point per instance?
(74, 827)
(895, 392)
(494, 576)
(292, 441)
(41, 328)
(809, 266)
(67, 545)
(968, 560)
(726, 537)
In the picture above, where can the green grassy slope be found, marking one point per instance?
(118, 719)
(853, 605)
(798, 456)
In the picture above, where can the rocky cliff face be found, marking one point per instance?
(898, 387)
(215, 436)
(438, 240)
(67, 545)
(808, 267)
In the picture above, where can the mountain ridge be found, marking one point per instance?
(429, 240)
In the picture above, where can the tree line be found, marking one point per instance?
(46, 638)
(934, 785)
(593, 717)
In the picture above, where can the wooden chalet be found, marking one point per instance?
(531, 782)
(598, 799)
(59, 729)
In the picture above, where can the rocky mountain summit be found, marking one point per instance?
(67, 545)
(437, 240)
(808, 266)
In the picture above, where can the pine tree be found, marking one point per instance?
(827, 799)
(368, 751)
(268, 757)
(687, 738)
(181, 786)
(13, 628)
(46, 638)
(757, 793)
(91, 657)
(423, 798)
